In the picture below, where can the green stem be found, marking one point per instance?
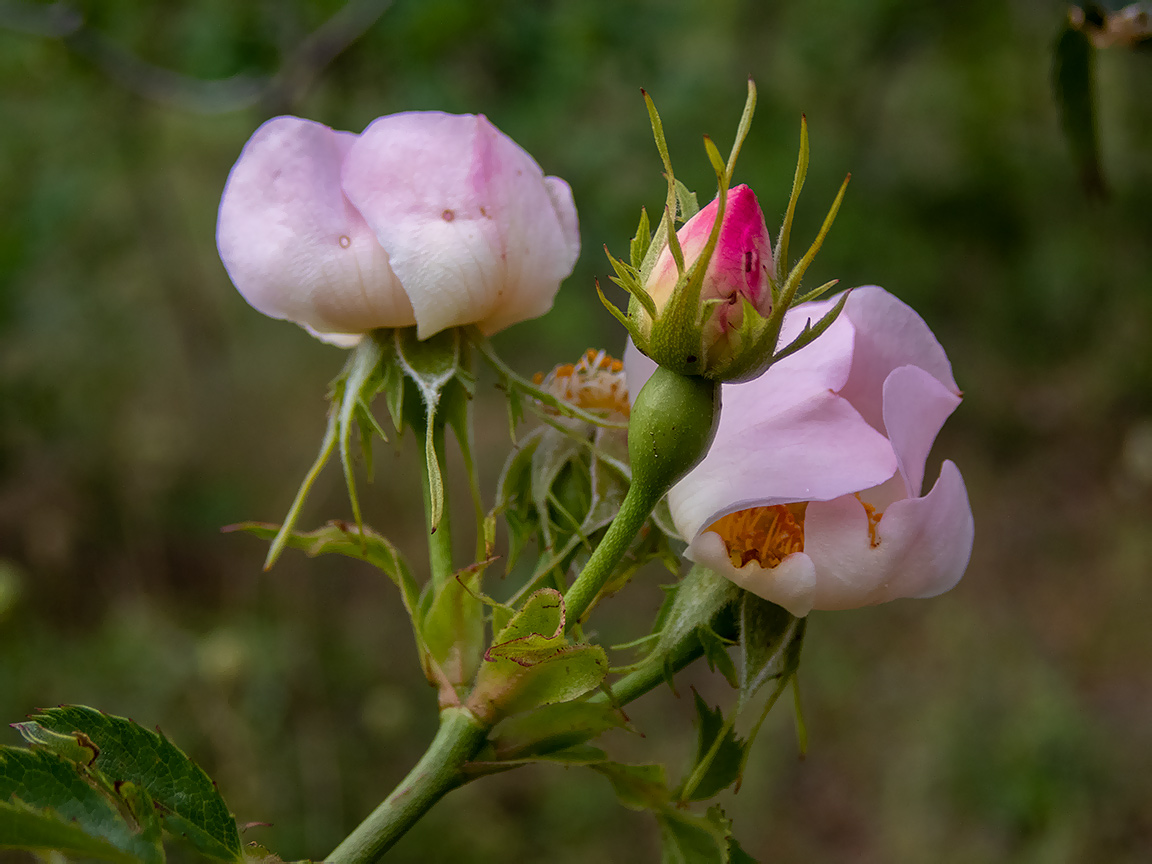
(437, 773)
(634, 512)
(440, 538)
(672, 424)
(653, 673)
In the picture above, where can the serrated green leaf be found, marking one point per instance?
(719, 755)
(567, 674)
(688, 838)
(32, 830)
(639, 787)
(531, 662)
(187, 799)
(553, 728)
(736, 855)
(50, 802)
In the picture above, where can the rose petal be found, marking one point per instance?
(915, 408)
(889, 334)
(923, 550)
(815, 450)
(292, 243)
(548, 258)
(466, 216)
(791, 584)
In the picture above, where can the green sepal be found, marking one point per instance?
(770, 640)
(338, 538)
(353, 391)
(812, 331)
(531, 662)
(719, 757)
(430, 364)
(640, 243)
(686, 204)
(770, 643)
(696, 600)
(785, 235)
(627, 321)
(187, 800)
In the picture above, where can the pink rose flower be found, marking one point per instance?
(741, 265)
(810, 495)
(431, 219)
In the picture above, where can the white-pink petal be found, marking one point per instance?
(817, 449)
(915, 407)
(923, 546)
(791, 584)
(293, 244)
(466, 217)
(889, 334)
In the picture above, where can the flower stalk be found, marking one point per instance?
(672, 423)
(457, 740)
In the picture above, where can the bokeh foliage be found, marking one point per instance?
(143, 405)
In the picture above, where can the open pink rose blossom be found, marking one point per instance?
(432, 219)
(810, 495)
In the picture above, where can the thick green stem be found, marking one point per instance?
(440, 538)
(437, 773)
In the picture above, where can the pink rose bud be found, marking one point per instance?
(432, 219)
(741, 267)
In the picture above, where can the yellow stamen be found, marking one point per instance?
(595, 383)
(874, 517)
(766, 535)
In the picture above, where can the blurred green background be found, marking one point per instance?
(143, 405)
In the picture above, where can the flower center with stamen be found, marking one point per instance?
(765, 535)
(595, 383)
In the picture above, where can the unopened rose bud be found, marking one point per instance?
(741, 267)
